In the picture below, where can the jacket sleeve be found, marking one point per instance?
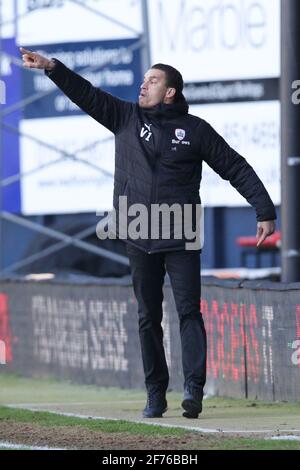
(108, 110)
(231, 166)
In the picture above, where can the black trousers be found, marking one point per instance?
(148, 272)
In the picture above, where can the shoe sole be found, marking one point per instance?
(192, 409)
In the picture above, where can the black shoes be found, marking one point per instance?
(192, 402)
(156, 404)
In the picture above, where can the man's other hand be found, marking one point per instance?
(33, 60)
(264, 229)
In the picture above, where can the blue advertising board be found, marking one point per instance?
(114, 66)
(10, 119)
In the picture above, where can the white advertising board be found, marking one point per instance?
(67, 186)
(252, 129)
(7, 18)
(55, 21)
(216, 39)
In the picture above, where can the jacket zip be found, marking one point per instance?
(154, 185)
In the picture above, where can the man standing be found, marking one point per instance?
(159, 154)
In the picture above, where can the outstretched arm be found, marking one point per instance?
(108, 110)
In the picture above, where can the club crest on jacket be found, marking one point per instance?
(180, 134)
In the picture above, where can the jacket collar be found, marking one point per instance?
(167, 111)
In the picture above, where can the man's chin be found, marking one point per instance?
(143, 103)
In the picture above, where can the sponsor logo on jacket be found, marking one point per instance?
(180, 134)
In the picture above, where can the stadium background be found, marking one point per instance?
(229, 54)
(67, 309)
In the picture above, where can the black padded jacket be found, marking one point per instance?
(159, 154)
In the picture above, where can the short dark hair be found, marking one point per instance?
(174, 79)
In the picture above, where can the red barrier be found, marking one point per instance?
(5, 333)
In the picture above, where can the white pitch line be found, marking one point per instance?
(10, 445)
(156, 423)
(83, 403)
(105, 418)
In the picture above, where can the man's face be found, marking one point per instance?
(153, 89)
